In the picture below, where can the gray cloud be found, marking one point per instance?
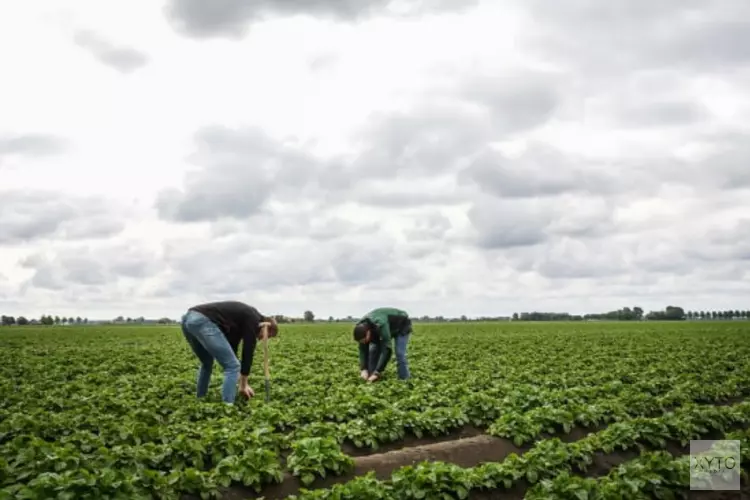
(432, 227)
(452, 126)
(636, 260)
(31, 215)
(121, 58)
(239, 170)
(246, 260)
(730, 243)
(322, 62)
(516, 102)
(728, 166)
(232, 18)
(499, 223)
(34, 145)
(689, 34)
(503, 225)
(312, 223)
(427, 140)
(540, 171)
(663, 114)
(87, 267)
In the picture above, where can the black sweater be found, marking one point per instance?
(238, 322)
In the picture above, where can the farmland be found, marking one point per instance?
(495, 410)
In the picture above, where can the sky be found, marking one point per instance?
(448, 157)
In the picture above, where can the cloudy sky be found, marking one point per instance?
(445, 156)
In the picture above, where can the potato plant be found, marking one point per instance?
(109, 412)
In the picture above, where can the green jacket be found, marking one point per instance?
(385, 323)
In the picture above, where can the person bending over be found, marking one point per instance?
(374, 333)
(214, 331)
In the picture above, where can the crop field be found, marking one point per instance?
(494, 410)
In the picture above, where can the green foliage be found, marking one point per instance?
(316, 456)
(109, 411)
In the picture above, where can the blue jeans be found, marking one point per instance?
(402, 342)
(209, 343)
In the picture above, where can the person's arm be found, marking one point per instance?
(249, 341)
(386, 347)
(363, 351)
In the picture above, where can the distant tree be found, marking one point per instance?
(57, 320)
(330, 319)
(309, 316)
(713, 314)
(64, 320)
(638, 313)
(515, 316)
(129, 320)
(7, 320)
(22, 321)
(669, 313)
(85, 321)
(672, 312)
(703, 314)
(78, 320)
(690, 314)
(464, 318)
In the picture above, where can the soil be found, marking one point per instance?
(464, 452)
(468, 447)
(467, 450)
(411, 441)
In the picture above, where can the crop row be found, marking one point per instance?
(550, 466)
(520, 414)
(182, 446)
(654, 474)
(43, 470)
(519, 365)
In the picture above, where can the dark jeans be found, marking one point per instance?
(402, 342)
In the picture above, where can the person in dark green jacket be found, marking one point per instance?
(374, 332)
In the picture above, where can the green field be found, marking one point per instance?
(500, 410)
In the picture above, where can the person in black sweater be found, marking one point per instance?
(214, 331)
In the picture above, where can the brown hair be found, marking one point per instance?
(273, 329)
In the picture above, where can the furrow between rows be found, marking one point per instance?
(496, 468)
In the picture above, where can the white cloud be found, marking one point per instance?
(448, 157)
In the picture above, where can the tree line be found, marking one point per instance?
(625, 314)
(634, 314)
(43, 320)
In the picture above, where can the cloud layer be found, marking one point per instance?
(579, 156)
(121, 58)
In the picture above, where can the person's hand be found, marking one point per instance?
(263, 333)
(373, 377)
(364, 374)
(247, 391)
